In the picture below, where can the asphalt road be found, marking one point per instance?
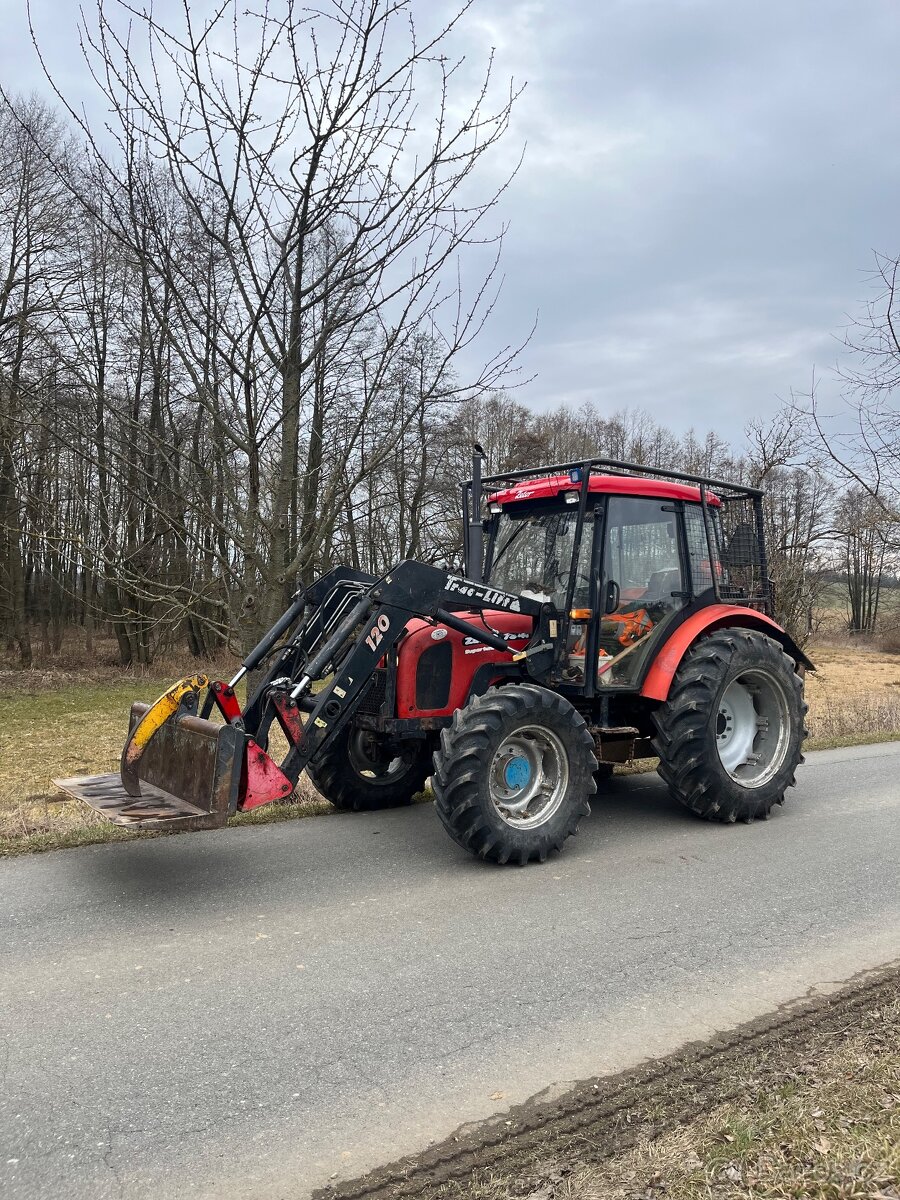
(253, 1012)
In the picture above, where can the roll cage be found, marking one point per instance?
(719, 528)
(739, 540)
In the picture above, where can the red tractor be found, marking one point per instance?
(604, 612)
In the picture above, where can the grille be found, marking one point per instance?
(374, 696)
(433, 673)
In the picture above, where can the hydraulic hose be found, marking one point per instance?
(284, 622)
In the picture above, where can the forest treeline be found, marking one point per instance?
(235, 352)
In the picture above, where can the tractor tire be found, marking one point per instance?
(354, 779)
(513, 773)
(730, 735)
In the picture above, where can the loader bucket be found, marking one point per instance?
(189, 773)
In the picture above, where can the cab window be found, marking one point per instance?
(698, 543)
(642, 584)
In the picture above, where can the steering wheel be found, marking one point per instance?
(582, 580)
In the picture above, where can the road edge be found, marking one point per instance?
(610, 1113)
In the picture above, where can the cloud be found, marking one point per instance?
(703, 186)
(689, 360)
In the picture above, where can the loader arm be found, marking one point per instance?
(181, 768)
(368, 630)
(316, 612)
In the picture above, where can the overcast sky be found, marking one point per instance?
(704, 184)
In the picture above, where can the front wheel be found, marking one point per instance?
(357, 773)
(730, 735)
(513, 773)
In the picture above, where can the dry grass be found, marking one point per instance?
(828, 1129)
(853, 695)
(834, 1135)
(57, 723)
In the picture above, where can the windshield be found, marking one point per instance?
(533, 553)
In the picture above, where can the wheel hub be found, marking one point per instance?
(517, 773)
(752, 727)
(528, 777)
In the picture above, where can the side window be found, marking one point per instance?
(580, 613)
(642, 583)
(581, 596)
(698, 547)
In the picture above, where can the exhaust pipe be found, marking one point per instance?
(475, 563)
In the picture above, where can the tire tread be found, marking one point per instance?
(459, 785)
(683, 726)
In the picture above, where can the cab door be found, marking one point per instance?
(642, 585)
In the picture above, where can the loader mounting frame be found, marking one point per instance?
(346, 624)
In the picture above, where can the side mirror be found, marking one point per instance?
(611, 597)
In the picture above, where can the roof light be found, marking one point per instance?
(495, 508)
(571, 497)
(575, 474)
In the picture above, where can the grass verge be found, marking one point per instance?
(804, 1103)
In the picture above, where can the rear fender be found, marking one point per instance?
(714, 616)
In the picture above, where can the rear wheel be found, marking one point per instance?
(513, 774)
(357, 772)
(730, 735)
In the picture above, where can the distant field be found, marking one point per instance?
(833, 610)
(854, 694)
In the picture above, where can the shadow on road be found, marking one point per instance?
(197, 868)
(638, 798)
(317, 856)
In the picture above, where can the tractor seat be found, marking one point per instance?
(661, 586)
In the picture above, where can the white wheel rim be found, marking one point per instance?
(528, 777)
(753, 728)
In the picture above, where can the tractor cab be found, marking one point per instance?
(621, 561)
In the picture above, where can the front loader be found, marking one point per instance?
(604, 612)
(178, 766)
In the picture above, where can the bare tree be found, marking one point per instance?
(798, 518)
(32, 225)
(296, 218)
(865, 537)
(860, 441)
